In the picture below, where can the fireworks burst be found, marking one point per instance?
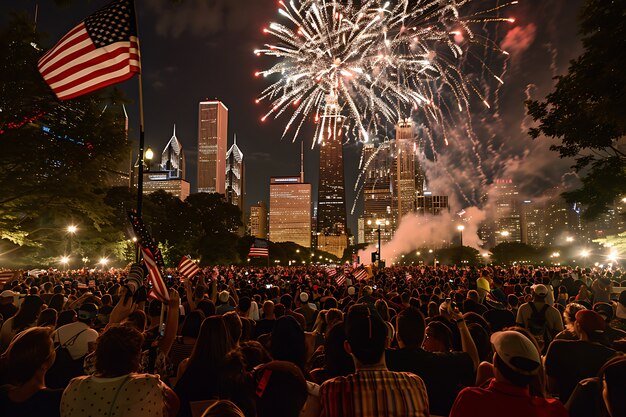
(377, 61)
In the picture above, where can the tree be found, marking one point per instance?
(508, 252)
(586, 109)
(53, 155)
(450, 256)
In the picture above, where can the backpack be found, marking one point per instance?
(64, 367)
(538, 325)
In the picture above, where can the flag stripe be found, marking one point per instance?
(78, 31)
(187, 267)
(99, 83)
(155, 276)
(115, 53)
(101, 50)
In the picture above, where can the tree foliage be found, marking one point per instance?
(53, 155)
(508, 252)
(586, 109)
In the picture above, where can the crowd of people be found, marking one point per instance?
(291, 342)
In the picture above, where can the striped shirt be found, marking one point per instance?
(374, 393)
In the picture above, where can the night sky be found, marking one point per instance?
(202, 49)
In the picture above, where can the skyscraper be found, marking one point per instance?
(258, 220)
(290, 210)
(508, 226)
(235, 176)
(120, 173)
(173, 158)
(377, 192)
(331, 201)
(405, 172)
(212, 140)
(170, 176)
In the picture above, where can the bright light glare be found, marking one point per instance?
(65, 259)
(72, 229)
(103, 261)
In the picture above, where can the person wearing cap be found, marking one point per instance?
(7, 304)
(606, 311)
(224, 305)
(516, 362)
(570, 361)
(601, 289)
(372, 390)
(81, 331)
(310, 315)
(538, 307)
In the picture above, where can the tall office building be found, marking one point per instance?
(173, 158)
(235, 176)
(170, 176)
(290, 210)
(331, 230)
(378, 190)
(405, 172)
(508, 223)
(258, 220)
(429, 204)
(120, 173)
(212, 141)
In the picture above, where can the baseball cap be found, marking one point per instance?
(8, 293)
(351, 290)
(224, 296)
(517, 352)
(88, 311)
(605, 310)
(540, 290)
(590, 321)
(304, 297)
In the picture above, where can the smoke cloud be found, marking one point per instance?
(519, 39)
(429, 231)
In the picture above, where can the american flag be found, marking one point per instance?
(187, 267)
(260, 248)
(6, 276)
(159, 290)
(101, 50)
(331, 272)
(361, 274)
(340, 280)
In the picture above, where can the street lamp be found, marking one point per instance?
(612, 257)
(148, 157)
(71, 229)
(569, 239)
(65, 260)
(103, 262)
(584, 254)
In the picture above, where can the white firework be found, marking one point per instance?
(378, 61)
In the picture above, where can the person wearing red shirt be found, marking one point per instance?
(516, 361)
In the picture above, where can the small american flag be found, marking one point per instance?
(101, 50)
(331, 272)
(187, 267)
(159, 290)
(260, 248)
(6, 276)
(361, 274)
(340, 280)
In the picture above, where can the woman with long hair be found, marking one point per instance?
(117, 386)
(26, 361)
(25, 317)
(215, 370)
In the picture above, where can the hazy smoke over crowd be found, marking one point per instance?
(415, 231)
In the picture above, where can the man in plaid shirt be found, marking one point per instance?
(373, 390)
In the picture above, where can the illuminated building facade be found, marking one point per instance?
(235, 176)
(212, 141)
(429, 204)
(406, 170)
(331, 228)
(290, 210)
(163, 180)
(258, 220)
(508, 223)
(173, 157)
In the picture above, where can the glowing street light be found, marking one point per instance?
(460, 228)
(505, 233)
(569, 239)
(103, 262)
(149, 154)
(584, 253)
(612, 256)
(71, 229)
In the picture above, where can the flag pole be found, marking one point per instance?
(141, 138)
